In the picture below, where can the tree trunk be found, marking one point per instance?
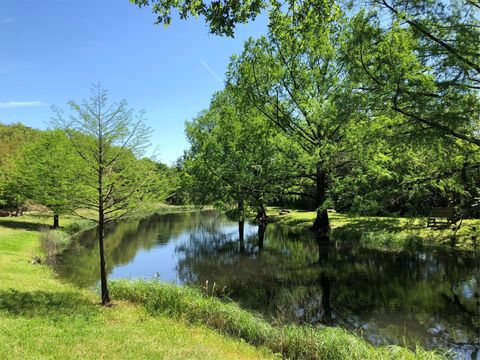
(101, 228)
(261, 213)
(321, 223)
(262, 226)
(56, 222)
(241, 210)
(103, 272)
(262, 223)
(241, 227)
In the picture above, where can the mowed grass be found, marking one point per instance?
(43, 318)
(387, 233)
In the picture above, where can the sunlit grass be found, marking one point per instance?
(387, 233)
(43, 318)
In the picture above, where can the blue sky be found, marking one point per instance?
(51, 51)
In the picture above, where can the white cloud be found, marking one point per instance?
(18, 104)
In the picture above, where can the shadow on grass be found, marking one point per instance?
(46, 304)
(22, 225)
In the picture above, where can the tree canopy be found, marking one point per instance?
(375, 104)
(233, 155)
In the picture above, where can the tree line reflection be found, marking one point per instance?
(421, 296)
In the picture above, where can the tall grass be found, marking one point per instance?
(292, 341)
(53, 242)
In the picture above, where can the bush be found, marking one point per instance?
(292, 341)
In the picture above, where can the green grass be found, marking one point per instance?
(295, 342)
(387, 233)
(41, 317)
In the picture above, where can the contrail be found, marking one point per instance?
(212, 72)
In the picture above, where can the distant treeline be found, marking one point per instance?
(39, 170)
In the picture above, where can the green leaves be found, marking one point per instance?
(109, 142)
(233, 157)
(221, 16)
(48, 172)
(421, 61)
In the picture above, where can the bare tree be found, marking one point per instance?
(110, 139)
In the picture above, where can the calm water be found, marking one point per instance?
(427, 297)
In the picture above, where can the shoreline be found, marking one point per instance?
(190, 307)
(43, 317)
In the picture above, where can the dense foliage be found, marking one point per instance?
(373, 108)
(233, 156)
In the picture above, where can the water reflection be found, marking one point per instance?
(430, 297)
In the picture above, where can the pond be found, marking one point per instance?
(417, 296)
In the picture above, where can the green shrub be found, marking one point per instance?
(293, 341)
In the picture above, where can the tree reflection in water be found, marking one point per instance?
(429, 297)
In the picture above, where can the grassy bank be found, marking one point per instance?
(387, 233)
(295, 342)
(40, 317)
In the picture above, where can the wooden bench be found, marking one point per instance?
(442, 216)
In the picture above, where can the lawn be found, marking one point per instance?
(388, 233)
(40, 317)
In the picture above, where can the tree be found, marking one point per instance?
(46, 172)
(297, 78)
(395, 171)
(418, 62)
(11, 196)
(233, 156)
(222, 16)
(12, 139)
(421, 60)
(414, 64)
(109, 139)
